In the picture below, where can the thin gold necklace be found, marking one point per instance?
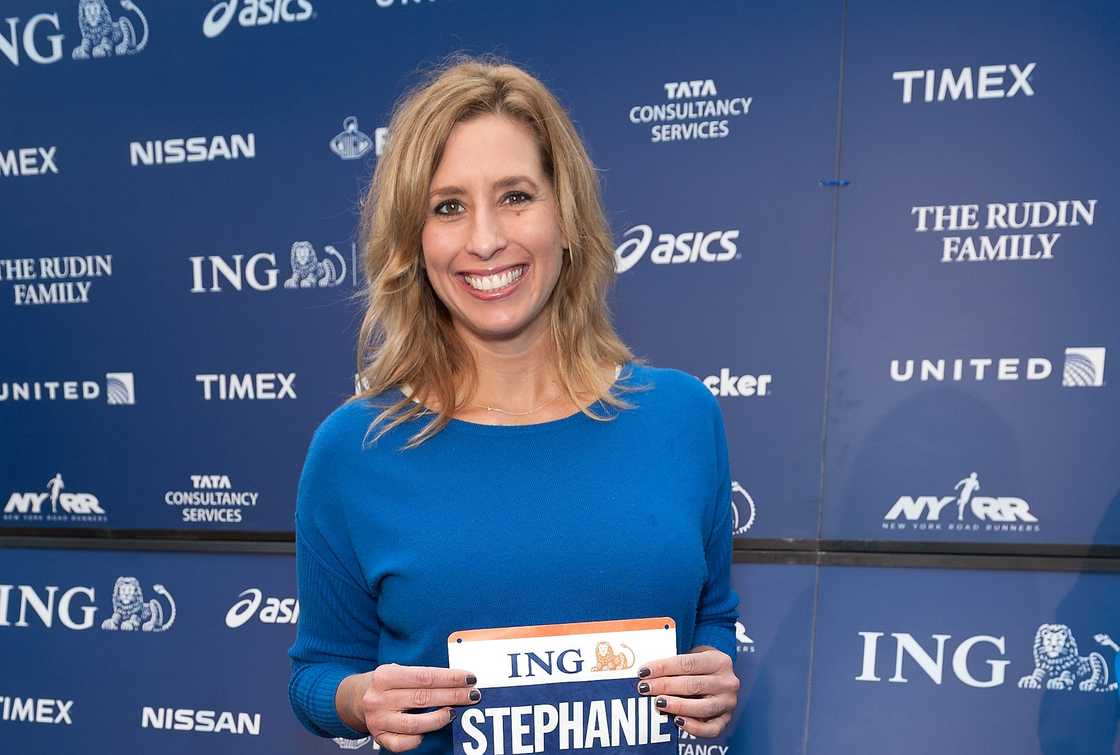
(494, 408)
(617, 371)
(514, 414)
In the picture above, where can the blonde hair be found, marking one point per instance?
(406, 336)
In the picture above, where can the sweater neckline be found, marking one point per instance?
(479, 428)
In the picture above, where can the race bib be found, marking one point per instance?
(558, 687)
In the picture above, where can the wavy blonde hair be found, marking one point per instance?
(406, 336)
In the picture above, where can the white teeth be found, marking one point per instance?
(492, 282)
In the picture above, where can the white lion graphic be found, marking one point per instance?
(308, 271)
(1058, 666)
(102, 36)
(131, 613)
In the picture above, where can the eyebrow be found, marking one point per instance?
(505, 183)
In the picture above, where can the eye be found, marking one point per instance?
(521, 196)
(438, 210)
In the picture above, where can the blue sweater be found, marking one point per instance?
(490, 526)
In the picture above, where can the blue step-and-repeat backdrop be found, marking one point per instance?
(856, 659)
(881, 233)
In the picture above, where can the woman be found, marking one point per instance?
(488, 259)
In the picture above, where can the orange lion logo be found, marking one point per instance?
(606, 659)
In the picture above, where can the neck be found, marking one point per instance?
(517, 375)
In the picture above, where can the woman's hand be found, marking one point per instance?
(380, 698)
(698, 689)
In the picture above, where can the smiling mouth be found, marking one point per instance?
(497, 282)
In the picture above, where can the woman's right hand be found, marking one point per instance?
(380, 699)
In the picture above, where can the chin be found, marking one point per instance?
(498, 331)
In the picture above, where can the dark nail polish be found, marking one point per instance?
(643, 671)
(472, 679)
(679, 722)
(450, 714)
(643, 687)
(660, 702)
(475, 695)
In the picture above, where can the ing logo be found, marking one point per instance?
(132, 613)
(1058, 666)
(102, 35)
(606, 659)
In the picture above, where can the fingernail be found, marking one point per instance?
(679, 722)
(660, 702)
(643, 687)
(472, 679)
(643, 671)
(450, 714)
(475, 695)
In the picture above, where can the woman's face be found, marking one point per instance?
(492, 241)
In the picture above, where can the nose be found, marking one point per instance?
(486, 233)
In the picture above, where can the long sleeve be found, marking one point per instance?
(391, 544)
(337, 634)
(718, 606)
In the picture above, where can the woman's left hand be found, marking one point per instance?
(699, 689)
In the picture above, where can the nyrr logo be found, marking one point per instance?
(259, 271)
(120, 390)
(1084, 367)
(673, 249)
(254, 13)
(351, 143)
(991, 514)
(726, 384)
(1058, 664)
(211, 721)
(275, 611)
(981, 83)
(742, 509)
(192, 149)
(28, 161)
(267, 386)
(76, 609)
(64, 507)
(37, 710)
(102, 35)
